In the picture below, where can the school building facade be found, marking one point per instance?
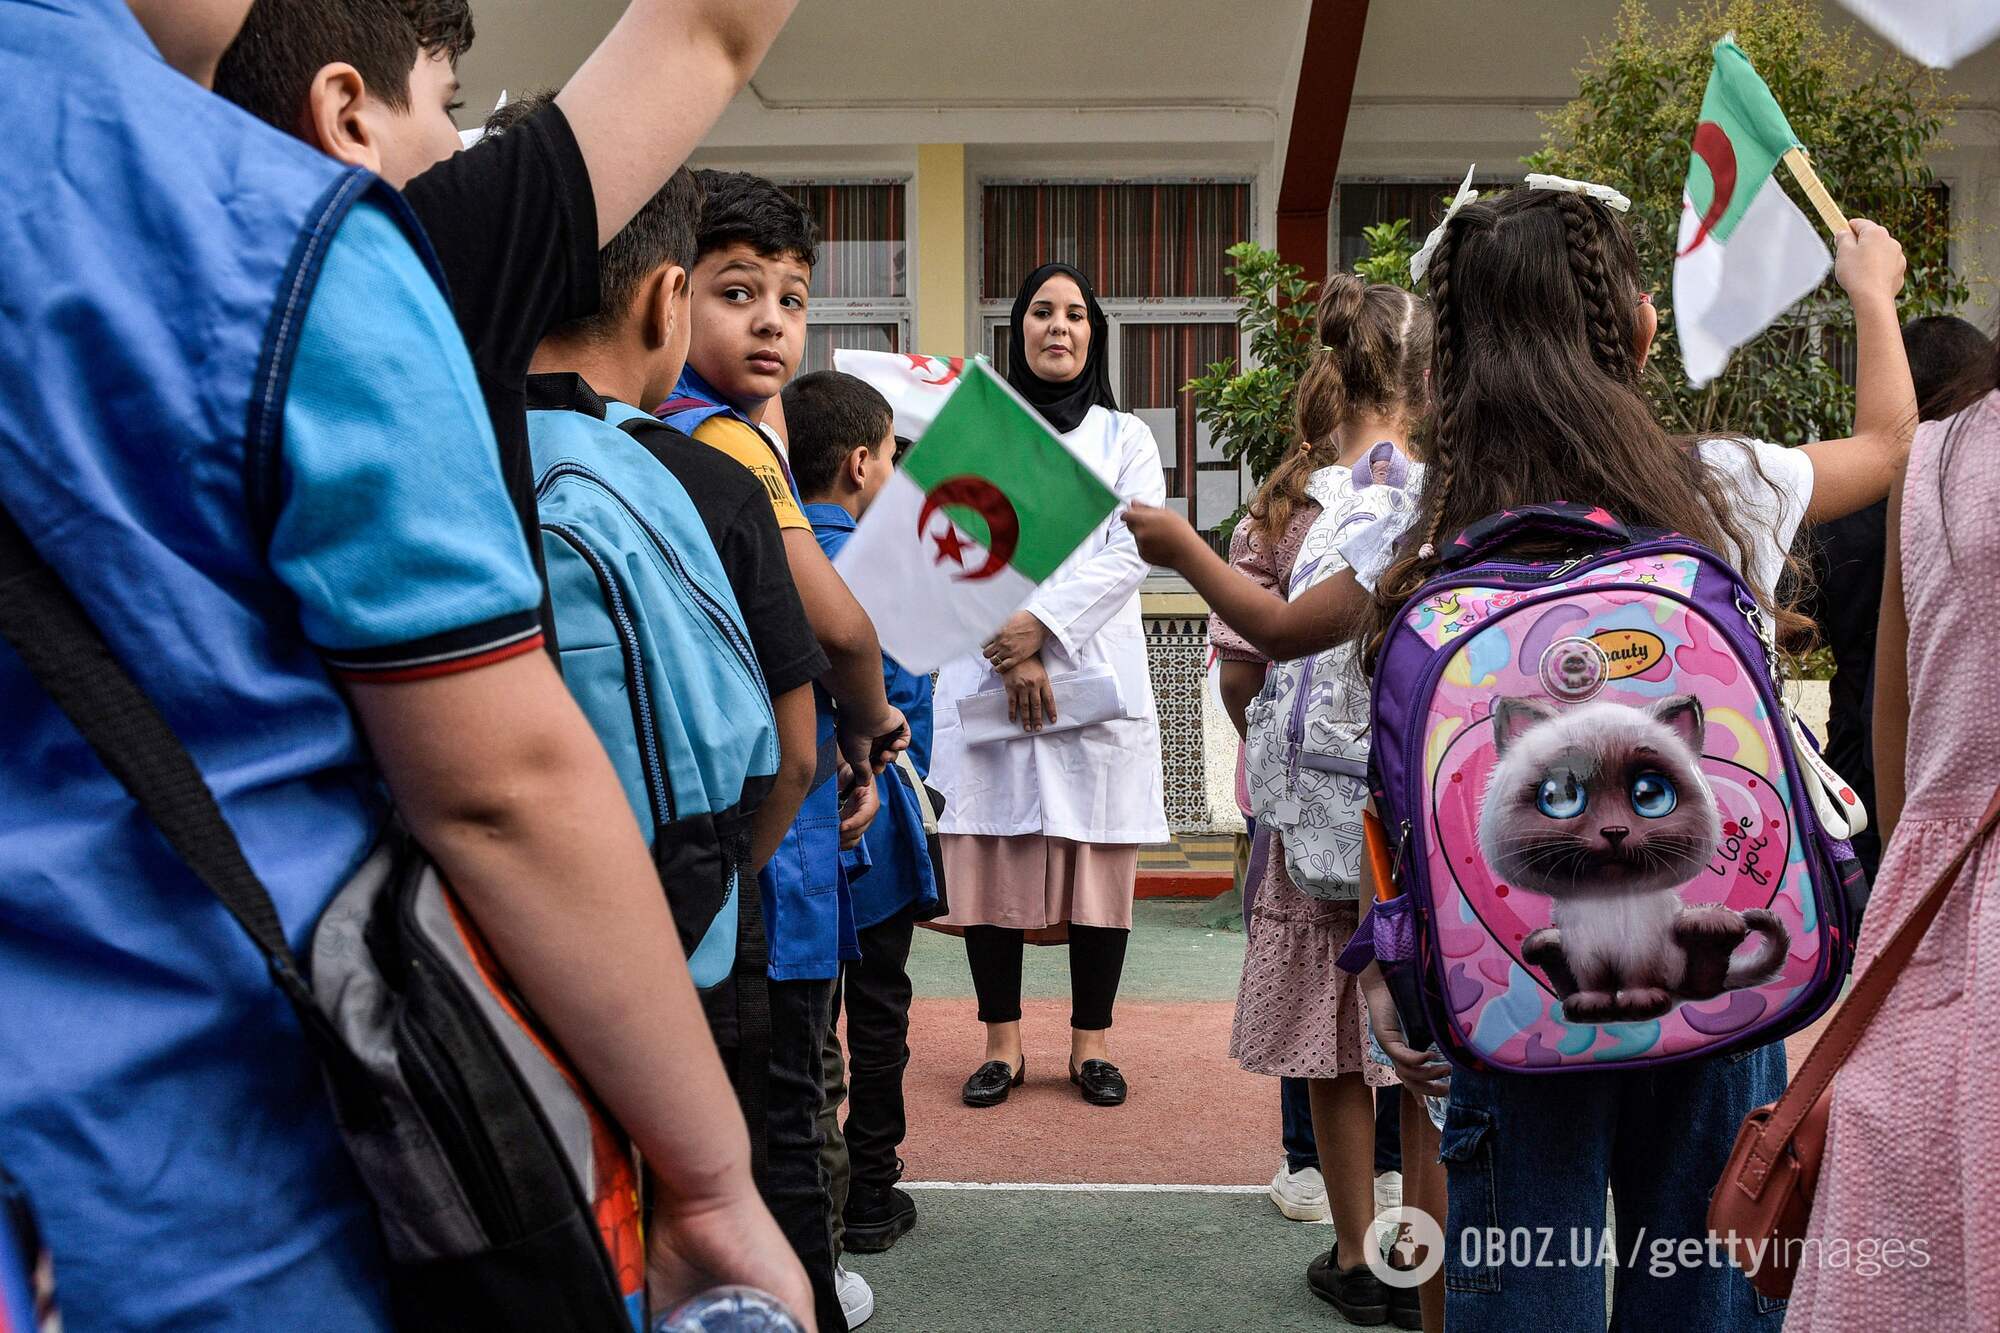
(947, 149)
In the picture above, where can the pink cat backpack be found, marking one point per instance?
(1613, 844)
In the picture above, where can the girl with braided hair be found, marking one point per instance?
(1542, 331)
(1298, 1017)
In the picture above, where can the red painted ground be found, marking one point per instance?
(1193, 1116)
(1183, 884)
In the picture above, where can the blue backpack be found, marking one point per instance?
(654, 649)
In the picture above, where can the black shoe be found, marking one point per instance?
(991, 1082)
(1357, 1293)
(876, 1218)
(1101, 1082)
(1405, 1310)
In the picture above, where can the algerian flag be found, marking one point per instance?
(1938, 32)
(916, 386)
(1746, 252)
(978, 514)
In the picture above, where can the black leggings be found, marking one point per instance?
(1096, 959)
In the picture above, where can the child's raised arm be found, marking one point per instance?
(649, 93)
(1326, 615)
(1854, 473)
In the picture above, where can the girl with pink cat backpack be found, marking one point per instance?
(1618, 869)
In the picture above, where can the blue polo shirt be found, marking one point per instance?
(896, 869)
(157, 1099)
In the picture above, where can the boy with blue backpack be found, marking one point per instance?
(843, 448)
(222, 344)
(755, 250)
(682, 635)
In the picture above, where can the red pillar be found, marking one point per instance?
(1319, 124)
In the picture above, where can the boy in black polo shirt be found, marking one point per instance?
(516, 223)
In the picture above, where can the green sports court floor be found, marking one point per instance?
(1010, 1233)
(1046, 1215)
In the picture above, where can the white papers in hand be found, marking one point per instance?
(1082, 698)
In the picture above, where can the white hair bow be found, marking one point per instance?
(1603, 194)
(1420, 262)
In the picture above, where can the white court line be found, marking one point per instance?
(1067, 1188)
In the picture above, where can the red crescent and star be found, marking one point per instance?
(920, 364)
(1003, 525)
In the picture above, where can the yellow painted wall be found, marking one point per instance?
(941, 250)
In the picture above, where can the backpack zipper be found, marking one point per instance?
(658, 793)
(745, 655)
(441, 1094)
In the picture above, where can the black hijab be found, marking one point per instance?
(1062, 404)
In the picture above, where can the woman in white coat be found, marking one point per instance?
(1042, 831)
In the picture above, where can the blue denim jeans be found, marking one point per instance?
(1300, 1150)
(1529, 1158)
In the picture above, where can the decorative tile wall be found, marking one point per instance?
(1177, 654)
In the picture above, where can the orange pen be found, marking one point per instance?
(1377, 839)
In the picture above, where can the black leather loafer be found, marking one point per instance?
(1101, 1082)
(991, 1082)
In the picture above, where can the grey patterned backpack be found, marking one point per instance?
(1306, 746)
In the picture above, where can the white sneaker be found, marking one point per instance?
(857, 1298)
(1300, 1195)
(1388, 1190)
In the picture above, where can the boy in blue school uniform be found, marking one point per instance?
(755, 250)
(843, 448)
(220, 347)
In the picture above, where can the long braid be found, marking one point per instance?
(1608, 339)
(1407, 571)
(1443, 462)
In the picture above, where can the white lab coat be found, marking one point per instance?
(1099, 783)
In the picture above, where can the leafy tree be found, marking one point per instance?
(1867, 116)
(1389, 251)
(1250, 411)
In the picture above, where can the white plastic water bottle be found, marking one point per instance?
(728, 1310)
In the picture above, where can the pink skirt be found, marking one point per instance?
(1036, 883)
(1298, 1015)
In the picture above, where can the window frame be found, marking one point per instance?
(1484, 184)
(899, 311)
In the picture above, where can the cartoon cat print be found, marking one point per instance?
(1603, 810)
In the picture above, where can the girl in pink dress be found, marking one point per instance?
(1297, 1014)
(1906, 1225)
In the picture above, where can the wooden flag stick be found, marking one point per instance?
(1809, 181)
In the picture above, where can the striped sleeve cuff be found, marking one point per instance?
(444, 654)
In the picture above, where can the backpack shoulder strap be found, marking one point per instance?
(64, 651)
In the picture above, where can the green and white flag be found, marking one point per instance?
(977, 515)
(1746, 252)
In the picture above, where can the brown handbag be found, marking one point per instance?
(1764, 1203)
